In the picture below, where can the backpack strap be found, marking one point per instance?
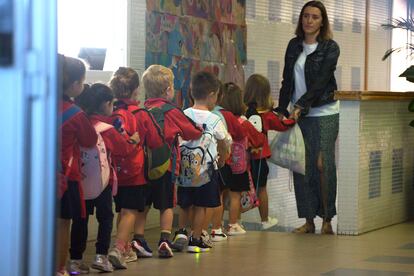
(70, 113)
(102, 127)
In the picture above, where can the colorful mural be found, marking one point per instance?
(192, 35)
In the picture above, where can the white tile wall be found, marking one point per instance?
(365, 127)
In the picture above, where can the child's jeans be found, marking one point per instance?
(104, 215)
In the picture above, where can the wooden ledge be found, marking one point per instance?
(373, 96)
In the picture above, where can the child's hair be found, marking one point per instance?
(124, 82)
(202, 84)
(93, 97)
(73, 70)
(257, 90)
(156, 79)
(233, 99)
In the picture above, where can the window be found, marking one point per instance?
(355, 78)
(397, 170)
(374, 186)
(338, 16)
(273, 73)
(249, 68)
(275, 10)
(251, 9)
(95, 34)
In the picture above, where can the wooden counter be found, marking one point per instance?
(373, 96)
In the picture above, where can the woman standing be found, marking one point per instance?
(309, 84)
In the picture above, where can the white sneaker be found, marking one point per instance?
(62, 272)
(130, 255)
(235, 229)
(217, 235)
(116, 258)
(102, 263)
(205, 237)
(269, 223)
(77, 267)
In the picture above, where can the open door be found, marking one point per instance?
(28, 139)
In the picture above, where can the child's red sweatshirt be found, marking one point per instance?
(270, 122)
(115, 142)
(134, 119)
(175, 123)
(77, 132)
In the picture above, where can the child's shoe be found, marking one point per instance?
(235, 230)
(117, 258)
(180, 239)
(62, 272)
(269, 223)
(205, 237)
(218, 235)
(129, 254)
(102, 263)
(197, 246)
(75, 267)
(165, 249)
(141, 248)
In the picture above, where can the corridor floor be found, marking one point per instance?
(388, 251)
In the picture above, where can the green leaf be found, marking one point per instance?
(411, 106)
(412, 123)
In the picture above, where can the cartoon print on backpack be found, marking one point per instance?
(254, 117)
(196, 161)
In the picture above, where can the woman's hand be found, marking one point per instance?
(295, 114)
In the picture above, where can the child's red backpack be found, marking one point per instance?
(239, 155)
(62, 176)
(133, 164)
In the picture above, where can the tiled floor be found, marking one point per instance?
(388, 251)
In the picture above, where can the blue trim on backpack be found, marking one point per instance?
(70, 112)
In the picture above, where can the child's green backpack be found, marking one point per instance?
(159, 159)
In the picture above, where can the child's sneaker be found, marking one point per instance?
(180, 239)
(235, 229)
(62, 272)
(130, 255)
(205, 237)
(102, 263)
(197, 246)
(217, 235)
(269, 223)
(141, 248)
(117, 259)
(75, 267)
(165, 249)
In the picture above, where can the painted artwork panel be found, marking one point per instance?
(212, 42)
(197, 8)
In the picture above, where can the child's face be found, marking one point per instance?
(107, 108)
(76, 88)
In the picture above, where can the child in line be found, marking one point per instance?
(239, 181)
(257, 93)
(134, 195)
(158, 82)
(97, 101)
(76, 130)
(215, 215)
(204, 91)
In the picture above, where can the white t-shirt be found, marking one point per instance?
(213, 123)
(300, 85)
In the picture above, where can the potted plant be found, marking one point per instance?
(408, 25)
